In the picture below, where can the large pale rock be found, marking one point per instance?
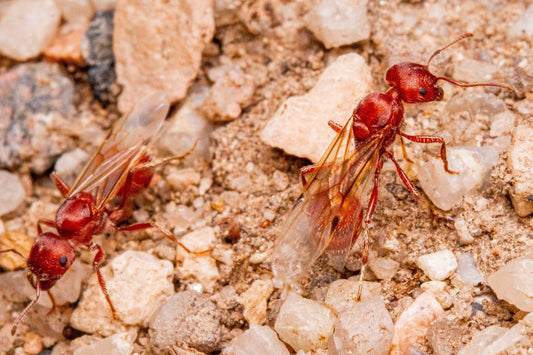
(514, 283)
(116, 344)
(414, 322)
(520, 166)
(11, 192)
(158, 44)
(339, 22)
(304, 324)
(258, 340)
(137, 282)
(27, 27)
(300, 125)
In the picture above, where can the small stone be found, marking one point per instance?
(33, 343)
(462, 230)
(254, 300)
(304, 324)
(202, 268)
(445, 336)
(438, 266)
(496, 340)
(186, 318)
(383, 268)
(467, 269)
(339, 22)
(438, 289)
(137, 283)
(11, 192)
(520, 167)
(233, 90)
(180, 179)
(258, 340)
(75, 10)
(199, 241)
(180, 217)
(14, 240)
(414, 322)
(342, 294)
(35, 100)
(27, 27)
(103, 4)
(97, 49)
(523, 25)
(471, 70)
(66, 48)
(187, 127)
(177, 30)
(334, 97)
(445, 190)
(70, 164)
(116, 344)
(364, 328)
(514, 283)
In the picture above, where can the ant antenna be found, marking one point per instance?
(14, 251)
(438, 51)
(25, 311)
(460, 83)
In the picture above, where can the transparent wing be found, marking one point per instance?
(329, 213)
(106, 171)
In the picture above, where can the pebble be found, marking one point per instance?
(496, 340)
(27, 27)
(186, 318)
(446, 190)
(233, 90)
(520, 167)
(514, 283)
(338, 90)
(465, 237)
(202, 268)
(177, 31)
(467, 269)
(137, 282)
(103, 4)
(438, 289)
(66, 47)
(70, 164)
(339, 22)
(304, 324)
(97, 50)
(35, 98)
(342, 294)
(444, 335)
(75, 10)
(254, 301)
(364, 328)
(116, 344)
(13, 240)
(523, 25)
(187, 126)
(384, 268)
(258, 340)
(33, 343)
(180, 179)
(438, 266)
(413, 322)
(12, 192)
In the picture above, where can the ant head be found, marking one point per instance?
(50, 257)
(75, 215)
(414, 83)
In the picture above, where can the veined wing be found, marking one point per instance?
(329, 213)
(106, 171)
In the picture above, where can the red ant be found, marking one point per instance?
(121, 167)
(329, 213)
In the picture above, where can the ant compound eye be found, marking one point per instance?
(63, 260)
(422, 91)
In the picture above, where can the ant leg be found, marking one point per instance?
(406, 181)
(306, 170)
(368, 218)
(60, 184)
(432, 139)
(335, 126)
(46, 222)
(53, 300)
(96, 262)
(404, 151)
(25, 311)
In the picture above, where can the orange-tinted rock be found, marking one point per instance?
(66, 48)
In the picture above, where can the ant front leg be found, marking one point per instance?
(46, 222)
(432, 139)
(60, 184)
(96, 265)
(335, 126)
(306, 170)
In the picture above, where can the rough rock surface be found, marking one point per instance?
(514, 283)
(520, 166)
(158, 45)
